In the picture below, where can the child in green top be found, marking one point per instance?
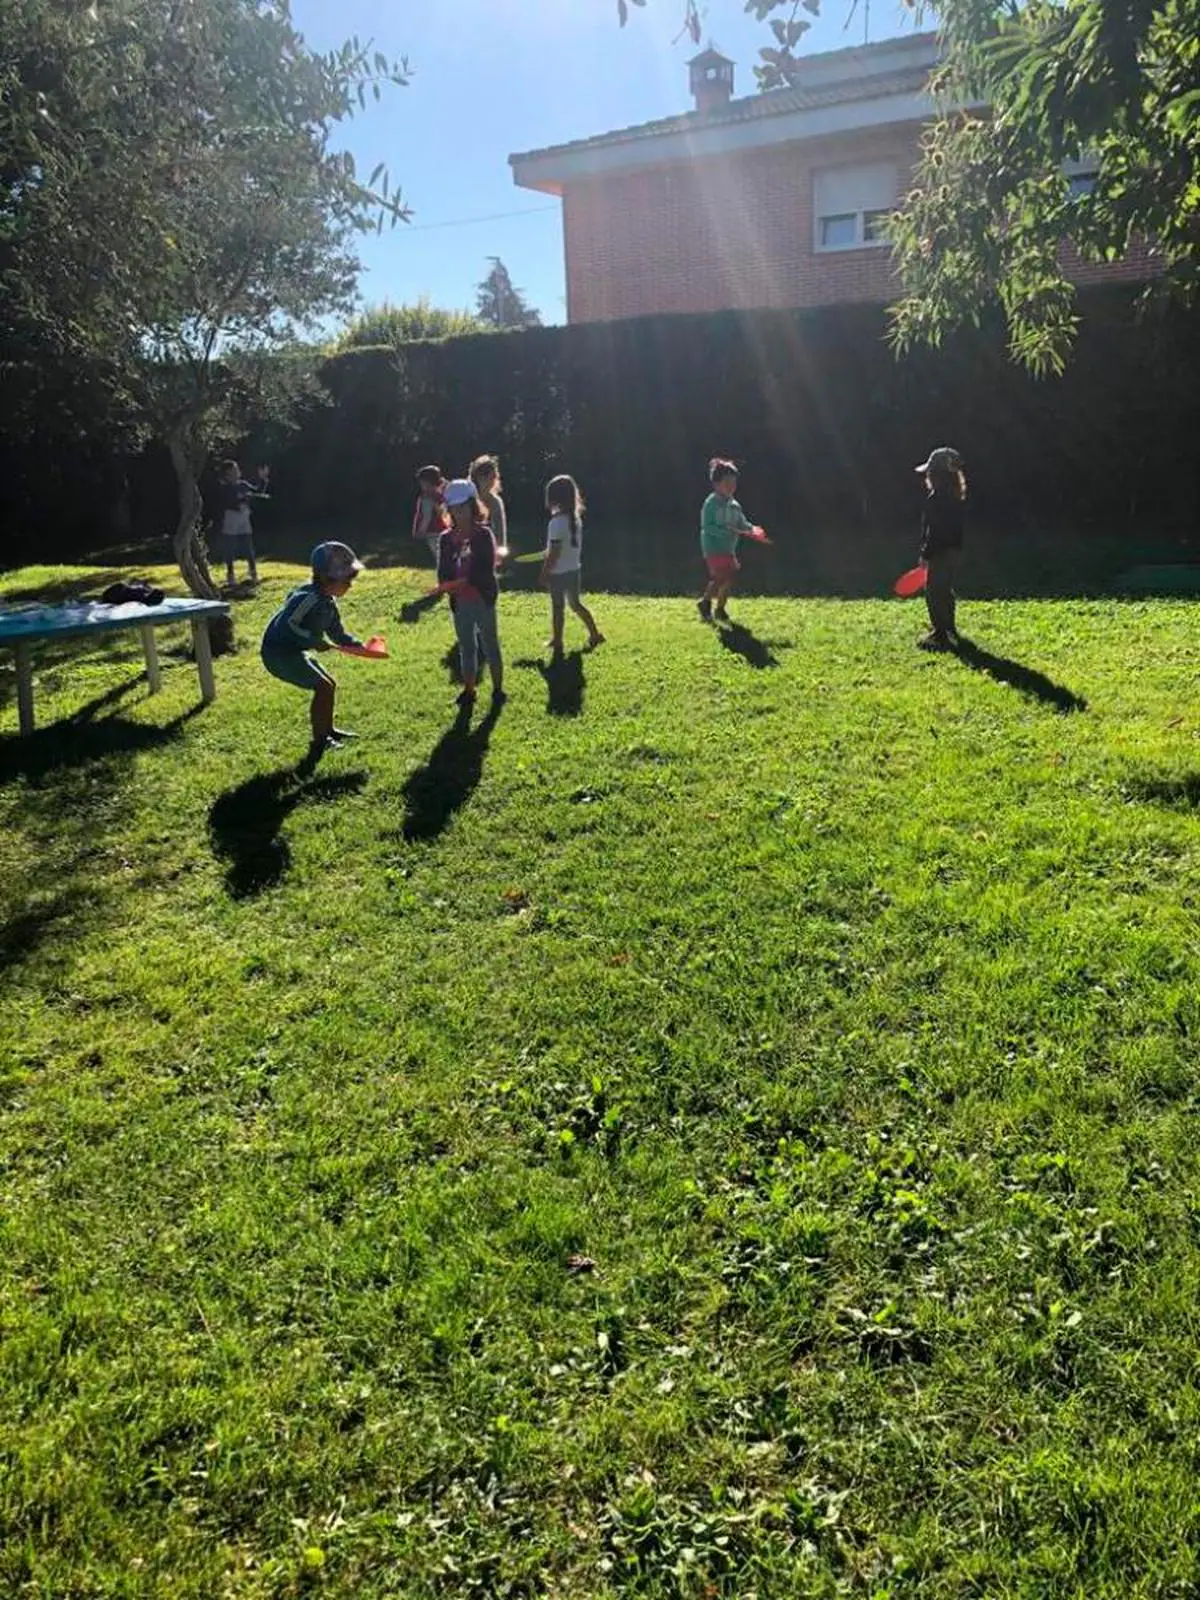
(722, 523)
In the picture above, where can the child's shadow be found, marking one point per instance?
(1180, 794)
(760, 653)
(564, 680)
(1027, 681)
(452, 663)
(434, 792)
(244, 823)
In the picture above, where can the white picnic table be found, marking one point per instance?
(26, 626)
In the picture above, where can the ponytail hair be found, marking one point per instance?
(565, 498)
(719, 469)
(952, 482)
(486, 467)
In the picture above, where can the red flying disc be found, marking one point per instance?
(758, 535)
(910, 582)
(375, 648)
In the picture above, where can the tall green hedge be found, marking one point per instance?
(827, 423)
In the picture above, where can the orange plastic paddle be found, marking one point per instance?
(910, 582)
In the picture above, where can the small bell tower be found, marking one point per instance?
(711, 76)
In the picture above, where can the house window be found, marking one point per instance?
(839, 233)
(1081, 174)
(852, 206)
(875, 225)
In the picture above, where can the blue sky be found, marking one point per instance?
(495, 76)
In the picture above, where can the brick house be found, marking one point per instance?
(770, 200)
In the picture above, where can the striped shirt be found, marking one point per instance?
(305, 618)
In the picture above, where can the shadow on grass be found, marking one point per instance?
(1180, 794)
(440, 788)
(244, 823)
(760, 653)
(413, 610)
(453, 665)
(564, 680)
(1025, 680)
(77, 791)
(63, 913)
(63, 591)
(84, 738)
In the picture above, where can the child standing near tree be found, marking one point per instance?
(484, 473)
(562, 566)
(942, 518)
(722, 524)
(234, 494)
(308, 618)
(467, 569)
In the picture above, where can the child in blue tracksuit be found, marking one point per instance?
(306, 620)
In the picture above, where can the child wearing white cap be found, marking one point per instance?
(942, 519)
(304, 622)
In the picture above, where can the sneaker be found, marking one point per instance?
(343, 733)
(596, 641)
(466, 698)
(933, 641)
(334, 741)
(499, 697)
(704, 607)
(720, 614)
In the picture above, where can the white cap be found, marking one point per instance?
(459, 491)
(943, 459)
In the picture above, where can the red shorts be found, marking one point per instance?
(722, 568)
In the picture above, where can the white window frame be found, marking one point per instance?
(1083, 170)
(865, 178)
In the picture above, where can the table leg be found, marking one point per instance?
(203, 647)
(24, 655)
(150, 649)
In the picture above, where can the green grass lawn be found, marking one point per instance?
(837, 1003)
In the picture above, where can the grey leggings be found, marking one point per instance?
(475, 625)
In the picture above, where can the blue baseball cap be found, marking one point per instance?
(335, 561)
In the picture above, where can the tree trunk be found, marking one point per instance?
(187, 544)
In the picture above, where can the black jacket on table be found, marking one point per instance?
(941, 524)
(475, 562)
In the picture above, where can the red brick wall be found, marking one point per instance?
(733, 232)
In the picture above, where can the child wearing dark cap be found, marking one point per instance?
(942, 518)
(305, 622)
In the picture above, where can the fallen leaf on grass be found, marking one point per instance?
(580, 1264)
(515, 899)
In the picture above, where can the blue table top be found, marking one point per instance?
(27, 623)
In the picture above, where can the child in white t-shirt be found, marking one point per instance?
(562, 566)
